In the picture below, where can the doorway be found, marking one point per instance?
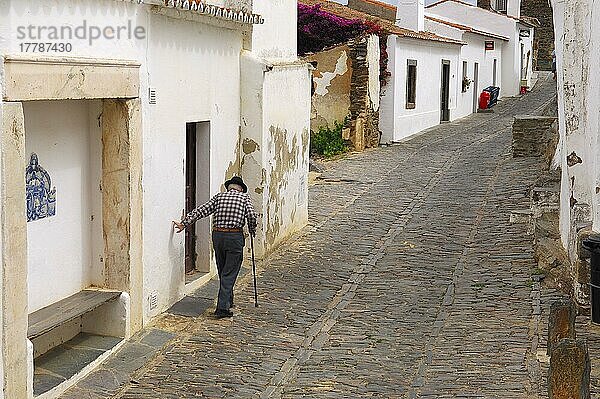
(475, 87)
(197, 192)
(445, 100)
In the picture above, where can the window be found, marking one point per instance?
(411, 84)
(495, 72)
(465, 79)
(501, 6)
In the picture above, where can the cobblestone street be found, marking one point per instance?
(409, 282)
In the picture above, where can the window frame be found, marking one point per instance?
(411, 84)
(465, 76)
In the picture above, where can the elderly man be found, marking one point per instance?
(230, 210)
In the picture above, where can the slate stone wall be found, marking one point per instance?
(364, 120)
(534, 136)
(544, 35)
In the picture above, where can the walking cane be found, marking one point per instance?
(254, 271)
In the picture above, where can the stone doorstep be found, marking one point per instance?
(65, 365)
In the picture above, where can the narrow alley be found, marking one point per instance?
(410, 281)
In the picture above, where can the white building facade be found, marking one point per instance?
(422, 89)
(479, 48)
(104, 106)
(517, 51)
(422, 74)
(479, 64)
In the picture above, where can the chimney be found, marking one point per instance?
(410, 14)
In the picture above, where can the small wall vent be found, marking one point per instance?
(152, 96)
(153, 300)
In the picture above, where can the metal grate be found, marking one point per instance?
(152, 96)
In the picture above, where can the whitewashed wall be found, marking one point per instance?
(396, 121)
(493, 23)
(527, 59)
(195, 70)
(577, 48)
(275, 98)
(373, 57)
(287, 147)
(277, 37)
(513, 8)
(560, 159)
(473, 52)
(60, 247)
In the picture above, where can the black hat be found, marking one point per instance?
(236, 180)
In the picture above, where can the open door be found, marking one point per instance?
(445, 100)
(197, 192)
(190, 196)
(476, 87)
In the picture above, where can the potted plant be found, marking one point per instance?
(466, 84)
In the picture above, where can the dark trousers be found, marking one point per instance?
(229, 253)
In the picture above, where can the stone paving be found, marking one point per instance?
(409, 282)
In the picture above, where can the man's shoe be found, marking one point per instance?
(220, 314)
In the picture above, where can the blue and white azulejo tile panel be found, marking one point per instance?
(41, 198)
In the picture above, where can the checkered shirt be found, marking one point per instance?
(229, 210)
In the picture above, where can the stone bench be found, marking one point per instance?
(94, 311)
(89, 313)
(46, 319)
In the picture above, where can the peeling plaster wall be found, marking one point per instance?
(2, 199)
(332, 80)
(275, 146)
(252, 133)
(275, 123)
(374, 85)
(346, 84)
(398, 122)
(287, 149)
(572, 79)
(577, 47)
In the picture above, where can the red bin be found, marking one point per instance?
(484, 100)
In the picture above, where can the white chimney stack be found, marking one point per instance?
(410, 14)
